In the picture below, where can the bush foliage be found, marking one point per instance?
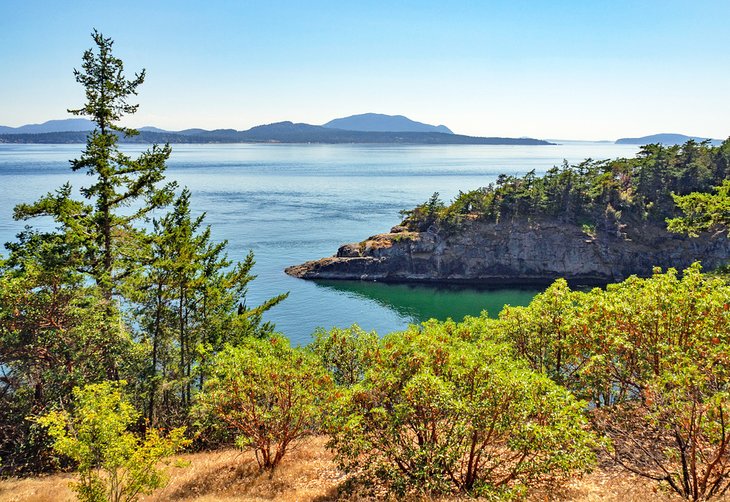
(651, 356)
(345, 353)
(270, 395)
(441, 411)
(113, 463)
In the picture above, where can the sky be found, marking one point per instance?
(558, 69)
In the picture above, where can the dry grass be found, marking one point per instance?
(307, 474)
(607, 485)
(41, 489)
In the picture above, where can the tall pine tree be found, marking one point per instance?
(101, 232)
(98, 235)
(192, 303)
(66, 295)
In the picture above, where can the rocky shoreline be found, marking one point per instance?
(517, 253)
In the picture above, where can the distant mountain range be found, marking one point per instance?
(664, 139)
(377, 122)
(364, 128)
(74, 131)
(63, 125)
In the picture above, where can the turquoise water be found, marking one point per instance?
(292, 203)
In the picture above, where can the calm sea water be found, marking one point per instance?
(292, 203)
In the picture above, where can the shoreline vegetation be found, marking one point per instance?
(124, 344)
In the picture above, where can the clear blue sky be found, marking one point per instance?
(583, 69)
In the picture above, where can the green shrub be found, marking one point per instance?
(345, 353)
(269, 394)
(589, 229)
(542, 332)
(114, 464)
(403, 237)
(438, 412)
(678, 433)
(652, 357)
(606, 345)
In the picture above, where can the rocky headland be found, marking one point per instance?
(591, 223)
(514, 253)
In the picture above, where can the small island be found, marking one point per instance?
(667, 139)
(593, 223)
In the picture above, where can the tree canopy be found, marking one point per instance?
(612, 196)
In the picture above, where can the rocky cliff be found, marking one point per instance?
(514, 253)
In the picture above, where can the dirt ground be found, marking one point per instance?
(307, 474)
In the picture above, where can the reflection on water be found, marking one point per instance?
(421, 302)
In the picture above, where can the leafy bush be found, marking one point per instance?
(541, 332)
(651, 355)
(606, 345)
(439, 412)
(114, 464)
(269, 394)
(345, 353)
(678, 433)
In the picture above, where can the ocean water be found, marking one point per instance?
(292, 203)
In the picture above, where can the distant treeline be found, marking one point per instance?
(282, 132)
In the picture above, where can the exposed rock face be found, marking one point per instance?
(514, 253)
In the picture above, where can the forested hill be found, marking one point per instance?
(281, 132)
(614, 196)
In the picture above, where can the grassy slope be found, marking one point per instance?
(308, 474)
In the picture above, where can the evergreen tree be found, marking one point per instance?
(703, 212)
(65, 294)
(98, 237)
(192, 303)
(105, 243)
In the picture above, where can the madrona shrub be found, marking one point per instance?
(653, 358)
(268, 394)
(345, 353)
(440, 412)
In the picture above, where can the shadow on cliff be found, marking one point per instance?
(420, 302)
